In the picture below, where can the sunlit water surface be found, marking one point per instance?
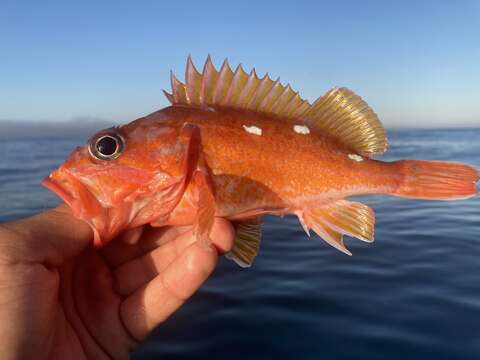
(413, 294)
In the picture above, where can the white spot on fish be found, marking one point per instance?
(211, 109)
(178, 149)
(253, 130)
(355, 157)
(142, 133)
(155, 133)
(301, 129)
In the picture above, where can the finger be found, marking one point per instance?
(133, 274)
(48, 237)
(118, 252)
(152, 304)
(222, 235)
(92, 306)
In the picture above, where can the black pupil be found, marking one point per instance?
(107, 146)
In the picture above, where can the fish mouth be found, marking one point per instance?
(54, 186)
(62, 186)
(83, 204)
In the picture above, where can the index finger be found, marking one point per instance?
(48, 237)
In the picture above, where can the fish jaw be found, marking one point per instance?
(73, 192)
(108, 220)
(105, 223)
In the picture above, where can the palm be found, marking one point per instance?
(83, 303)
(87, 322)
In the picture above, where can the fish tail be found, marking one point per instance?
(436, 180)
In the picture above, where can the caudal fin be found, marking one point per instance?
(437, 180)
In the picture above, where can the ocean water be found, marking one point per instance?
(413, 294)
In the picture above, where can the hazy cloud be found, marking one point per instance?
(77, 127)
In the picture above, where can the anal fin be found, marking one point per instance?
(248, 234)
(333, 220)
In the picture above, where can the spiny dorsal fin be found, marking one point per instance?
(235, 89)
(248, 234)
(340, 112)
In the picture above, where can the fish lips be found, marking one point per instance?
(54, 186)
(75, 194)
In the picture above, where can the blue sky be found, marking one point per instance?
(417, 63)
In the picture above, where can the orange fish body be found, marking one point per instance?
(250, 174)
(239, 147)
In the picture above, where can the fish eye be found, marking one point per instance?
(106, 147)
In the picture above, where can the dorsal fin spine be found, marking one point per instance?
(283, 100)
(227, 98)
(223, 83)
(266, 85)
(169, 97)
(249, 89)
(193, 83)
(256, 96)
(239, 80)
(178, 90)
(292, 104)
(210, 77)
(271, 97)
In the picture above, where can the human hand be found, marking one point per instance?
(61, 298)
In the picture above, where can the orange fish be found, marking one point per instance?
(236, 146)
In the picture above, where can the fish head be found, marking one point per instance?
(126, 176)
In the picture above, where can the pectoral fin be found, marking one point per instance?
(205, 207)
(247, 242)
(333, 220)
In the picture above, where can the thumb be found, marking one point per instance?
(49, 237)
